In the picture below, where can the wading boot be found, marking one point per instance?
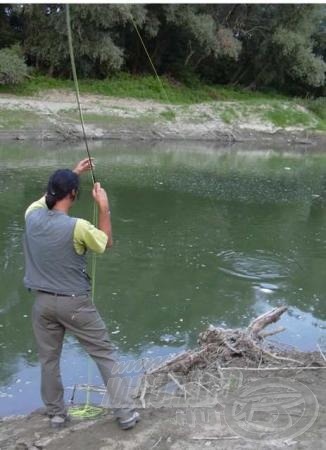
(59, 421)
(129, 422)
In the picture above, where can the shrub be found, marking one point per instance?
(13, 69)
(317, 106)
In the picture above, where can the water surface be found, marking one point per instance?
(202, 235)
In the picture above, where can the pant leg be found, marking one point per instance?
(81, 318)
(49, 336)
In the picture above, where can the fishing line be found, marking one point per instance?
(150, 59)
(85, 412)
(159, 81)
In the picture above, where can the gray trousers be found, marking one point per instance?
(52, 315)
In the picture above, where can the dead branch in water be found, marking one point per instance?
(205, 374)
(261, 322)
(223, 346)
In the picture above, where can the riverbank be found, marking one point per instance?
(262, 409)
(52, 115)
(237, 391)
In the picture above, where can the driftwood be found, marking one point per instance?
(219, 346)
(216, 368)
(258, 324)
(182, 362)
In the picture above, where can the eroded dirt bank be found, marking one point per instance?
(53, 116)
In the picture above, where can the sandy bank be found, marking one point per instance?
(53, 116)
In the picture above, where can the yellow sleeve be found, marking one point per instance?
(86, 236)
(36, 205)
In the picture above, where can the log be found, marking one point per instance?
(223, 344)
(183, 362)
(261, 322)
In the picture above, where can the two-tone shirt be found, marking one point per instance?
(55, 247)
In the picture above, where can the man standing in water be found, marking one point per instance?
(55, 246)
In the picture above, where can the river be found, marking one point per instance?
(202, 236)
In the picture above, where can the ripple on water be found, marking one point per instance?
(259, 266)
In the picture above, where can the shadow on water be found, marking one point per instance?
(202, 235)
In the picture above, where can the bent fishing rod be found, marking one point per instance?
(74, 74)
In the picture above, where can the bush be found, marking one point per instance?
(13, 69)
(318, 106)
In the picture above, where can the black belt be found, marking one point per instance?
(55, 294)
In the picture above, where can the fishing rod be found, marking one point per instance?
(74, 74)
(87, 410)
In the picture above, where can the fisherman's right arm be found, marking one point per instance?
(104, 217)
(86, 235)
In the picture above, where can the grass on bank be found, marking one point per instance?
(142, 87)
(148, 88)
(287, 118)
(13, 120)
(104, 120)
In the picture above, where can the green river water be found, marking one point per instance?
(202, 235)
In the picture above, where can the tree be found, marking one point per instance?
(10, 25)
(281, 46)
(96, 34)
(13, 69)
(181, 39)
(278, 46)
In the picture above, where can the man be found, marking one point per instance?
(55, 247)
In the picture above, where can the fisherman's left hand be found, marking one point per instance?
(84, 166)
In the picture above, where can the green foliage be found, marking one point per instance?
(13, 69)
(13, 120)
(168, 115)
(95, 37)
(35, 84)
(202, 31)
(301, 63)
(10, 25)
(232, 105)
(145, 87)
(279, 49)
(105, 36)
(279, 46)
(228, 115)
(318, 107)
(105, 119)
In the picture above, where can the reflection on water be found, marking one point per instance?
(201, 236)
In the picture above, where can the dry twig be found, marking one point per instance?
(321, 352)
(180, 386)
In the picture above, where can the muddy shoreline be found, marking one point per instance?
(299, 419)
(280, 403)
(312, 140)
